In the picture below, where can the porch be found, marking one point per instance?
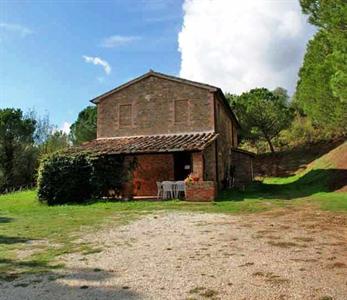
(158, 158)
(159, 167)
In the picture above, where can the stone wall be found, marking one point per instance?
(201, 191)
(153, 101)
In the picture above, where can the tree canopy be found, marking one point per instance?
(16, 148)
(84, 129)
(314, 94)
(322, 86)
(262, 113)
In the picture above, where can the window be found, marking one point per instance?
(125, 115)
(181, 111)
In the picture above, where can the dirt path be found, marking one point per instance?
(280, 255)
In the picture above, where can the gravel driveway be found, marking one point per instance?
(285, 254)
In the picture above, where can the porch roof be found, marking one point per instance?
(151, 143)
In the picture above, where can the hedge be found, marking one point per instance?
(76, 178)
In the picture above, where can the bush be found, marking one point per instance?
(75, 178)
(108, 173)
(64, 178)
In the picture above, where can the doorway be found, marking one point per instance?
(182, 165)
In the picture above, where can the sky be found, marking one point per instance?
(57, 55)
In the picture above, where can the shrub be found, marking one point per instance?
(70, 178)
(64, 178)
(108, 173)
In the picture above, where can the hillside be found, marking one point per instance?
(323, 166)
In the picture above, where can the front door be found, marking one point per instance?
(183, 165)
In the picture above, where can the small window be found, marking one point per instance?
(125, 114)
(181, 111)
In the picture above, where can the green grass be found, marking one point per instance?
(25, 222)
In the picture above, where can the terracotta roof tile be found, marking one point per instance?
(150, 143)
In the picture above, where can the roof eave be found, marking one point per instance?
(229, 107)
(211, 88)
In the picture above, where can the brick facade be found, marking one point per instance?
(158, 104)
(201, 191)
(243, 168)
(152, 103)
(226, 127)
(209, 157)
(198, 165)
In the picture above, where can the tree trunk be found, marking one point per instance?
(270, 144)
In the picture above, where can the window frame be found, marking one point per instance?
(120, 125)
(187, 119)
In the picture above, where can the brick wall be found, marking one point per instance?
(210, 163)
(201, 191)
(198, 165)
(227, 139)
(150, 169)
(243, 168)
(153, 102)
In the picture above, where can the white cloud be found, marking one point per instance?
(118, 40)
(16, 28)
(243, 44)
(65, 127)
(98, 61)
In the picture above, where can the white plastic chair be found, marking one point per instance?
(180, 187)
(160, 190)
(167, 189)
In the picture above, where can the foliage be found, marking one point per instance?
(78, 177)
(301, 131)
(322, 86)
(108, 173)
(43, 127)
(17, 152)
(84, 129)
(64, 178)
(55, 141)
(314, 94)
(262, 113)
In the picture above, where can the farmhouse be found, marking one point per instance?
(174, 127)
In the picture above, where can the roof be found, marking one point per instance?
(243, 151)
(208, 87)
(159, 75)
(150, 143)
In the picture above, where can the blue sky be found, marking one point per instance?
(57, 55)
(42, 44)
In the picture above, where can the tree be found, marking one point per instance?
(325, 68)
(17, 152)
(262, 113)
(44, 128)
(57, 140)
(84, 129)
(315, 93)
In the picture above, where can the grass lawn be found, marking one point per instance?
(33, 234)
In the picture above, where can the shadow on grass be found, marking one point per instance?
(8, 240)
(57, 284)
(5, 220)
(315, 181)
(11, 269)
